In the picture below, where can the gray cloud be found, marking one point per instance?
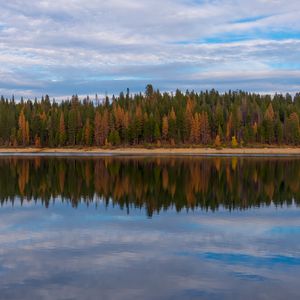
(94, 46)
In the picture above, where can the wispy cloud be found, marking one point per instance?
(93, 46)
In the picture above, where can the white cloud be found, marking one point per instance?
(85, 45)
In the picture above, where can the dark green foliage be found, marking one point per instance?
(114, 138)
(153, 117)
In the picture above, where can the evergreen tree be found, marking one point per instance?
(190, 118)
(62, 130)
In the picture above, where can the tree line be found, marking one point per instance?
(234, 118)
(159, 183)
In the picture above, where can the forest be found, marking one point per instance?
(152, 119)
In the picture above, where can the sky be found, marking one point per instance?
(84, 47)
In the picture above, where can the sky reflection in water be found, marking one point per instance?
(101, 251)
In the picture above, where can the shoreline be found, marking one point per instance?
(288, 151)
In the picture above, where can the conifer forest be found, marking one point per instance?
(209, 118)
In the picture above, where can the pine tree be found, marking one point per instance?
(23, 129)
(165, 127)
(278, 130)
(37, 141)
(269, 124)
(293, 129)
(88, 133)
(104, 129)
(72, 126)
(62, 130)
(195, 134)
(255, 130)
(156, 133)
(188, 118)
(204, 128)
(229, 128)
(138, 125)
(217, 143)
(172, 124)
(114, 137)
(97, 131)
(27, 133)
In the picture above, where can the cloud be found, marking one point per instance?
(94, 46)
(63, 253)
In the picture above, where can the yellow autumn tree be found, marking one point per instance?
(234, 142)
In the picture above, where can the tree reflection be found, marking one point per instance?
(153, 183)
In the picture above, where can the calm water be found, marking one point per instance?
(149, 228)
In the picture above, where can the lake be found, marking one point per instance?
(149, 228)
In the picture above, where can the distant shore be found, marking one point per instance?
(284, 151)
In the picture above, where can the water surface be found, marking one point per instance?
(149, 228)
